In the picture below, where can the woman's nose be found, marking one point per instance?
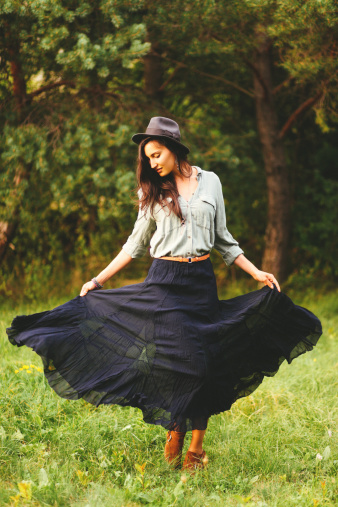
(153, 164)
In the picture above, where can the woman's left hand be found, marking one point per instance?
(266, 278)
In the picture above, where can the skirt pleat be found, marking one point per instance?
(168, 345)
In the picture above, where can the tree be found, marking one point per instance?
(67, 77)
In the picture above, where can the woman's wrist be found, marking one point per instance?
(97, 284)
(121, 260)
(255, 273)
(242, 262)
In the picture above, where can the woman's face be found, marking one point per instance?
(161, 159)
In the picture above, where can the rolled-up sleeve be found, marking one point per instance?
(138, 241)
(225, 244)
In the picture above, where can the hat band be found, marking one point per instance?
(162, 132)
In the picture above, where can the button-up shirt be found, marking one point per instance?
(203, 228)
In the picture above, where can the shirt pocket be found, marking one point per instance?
(205, 211)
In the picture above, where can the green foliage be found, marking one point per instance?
(67, 163)
(71, 185)
(314, 228)
(58, 163)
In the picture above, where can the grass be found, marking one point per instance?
(265, 451)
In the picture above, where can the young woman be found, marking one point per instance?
(168, 345)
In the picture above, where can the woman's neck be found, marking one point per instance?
(181, 177)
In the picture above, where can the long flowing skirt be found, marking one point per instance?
(167, 345)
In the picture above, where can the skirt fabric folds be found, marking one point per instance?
(167, 345)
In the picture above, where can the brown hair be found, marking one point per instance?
(155, 189)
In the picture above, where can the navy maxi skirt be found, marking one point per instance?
(167, 345)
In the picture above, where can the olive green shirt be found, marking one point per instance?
(204, 226)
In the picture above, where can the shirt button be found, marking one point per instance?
(189, 237)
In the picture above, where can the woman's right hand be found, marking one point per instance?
(86, 287)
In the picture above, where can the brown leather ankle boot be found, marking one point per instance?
(173, 448)
(194, 461)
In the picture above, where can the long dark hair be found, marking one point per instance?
(156, 189)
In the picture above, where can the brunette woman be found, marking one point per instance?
(168, 345)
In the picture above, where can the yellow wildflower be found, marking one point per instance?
(16, 371)
(25, 489)
(29, 371)
(20, 369)
(25, 367)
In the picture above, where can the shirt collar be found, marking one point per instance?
(199, 170)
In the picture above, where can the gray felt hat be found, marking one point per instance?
(163, 127)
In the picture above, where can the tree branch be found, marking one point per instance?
(72, 84)
(282, 84)
(99, 91)
(295, 115)
(46, 88)
(211, 76)
(172, 75)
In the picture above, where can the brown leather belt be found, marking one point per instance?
(186, 259)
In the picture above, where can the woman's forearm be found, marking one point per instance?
(120, 261)
(242, 262)
(261, 276)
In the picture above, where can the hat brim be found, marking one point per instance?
(137, 138)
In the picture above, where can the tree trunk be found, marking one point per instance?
(19, 83)
(275, 257)
(153, 73)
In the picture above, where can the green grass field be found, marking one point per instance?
(277, 447)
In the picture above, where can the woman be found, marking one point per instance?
(168, 345)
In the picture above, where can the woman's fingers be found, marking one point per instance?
(269, 283)
(87, 287)
(277, 285)
(84, 289)
(270, 280)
